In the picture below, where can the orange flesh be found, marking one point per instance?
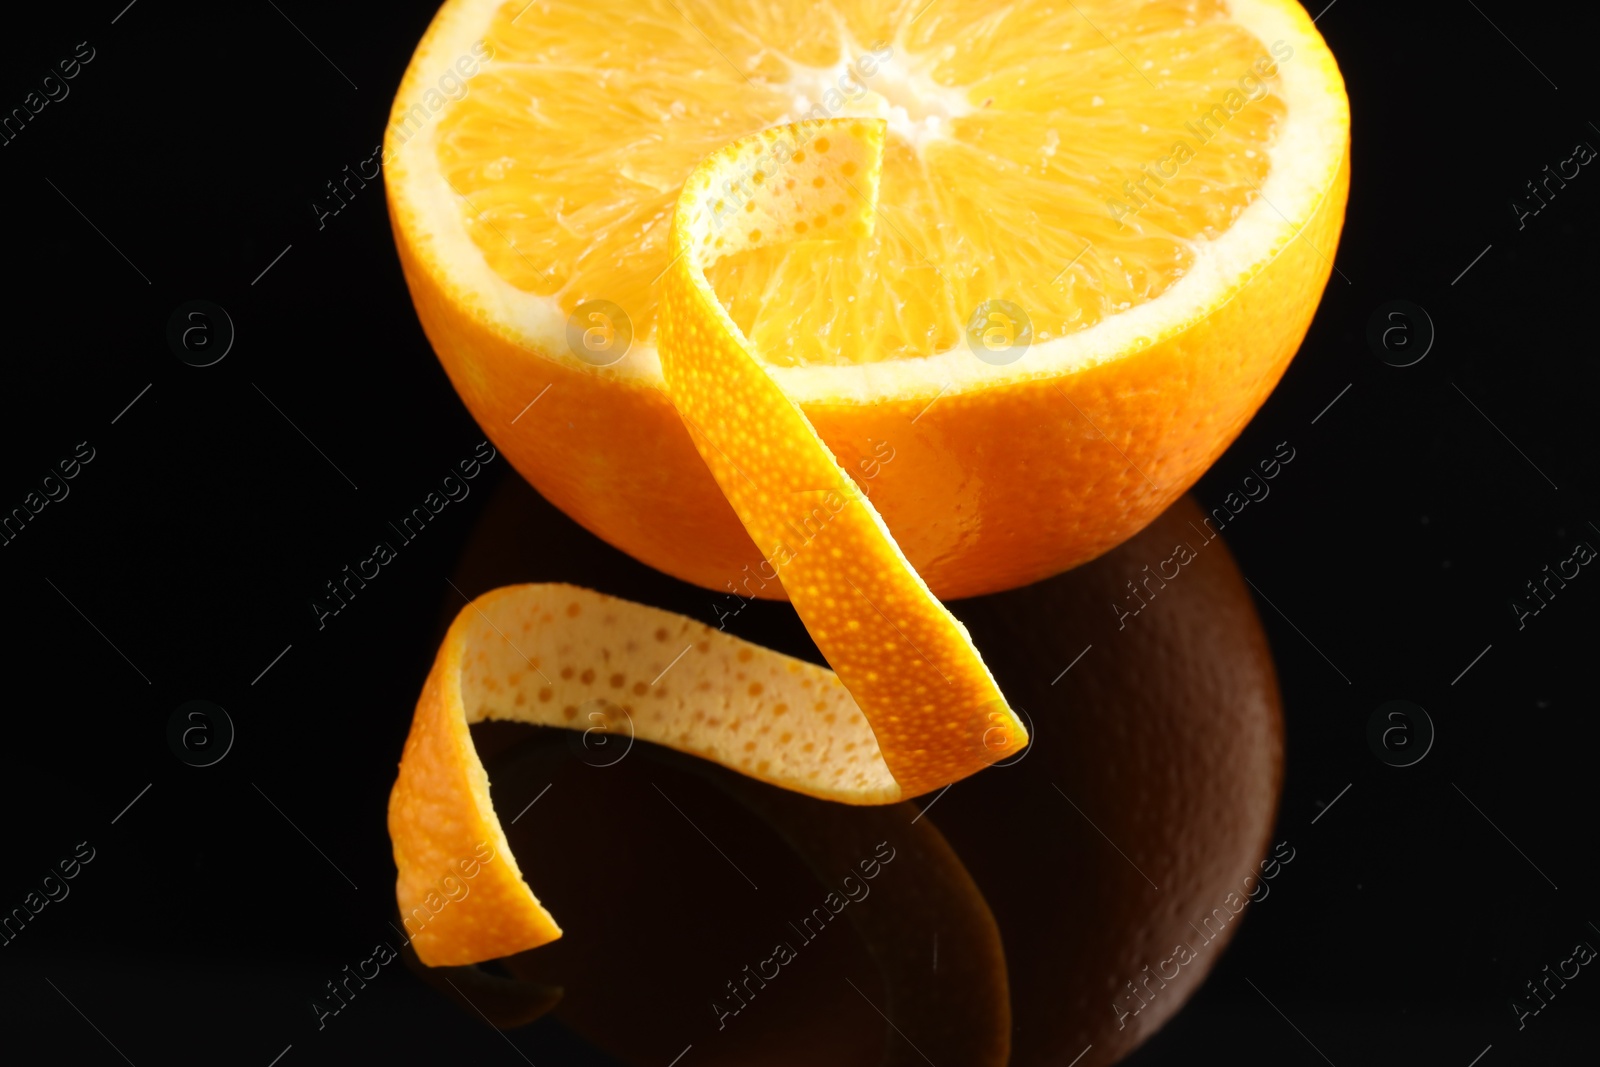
(1031, 123)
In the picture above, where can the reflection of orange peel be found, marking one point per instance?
(912, 706)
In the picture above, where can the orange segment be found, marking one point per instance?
(910, 665)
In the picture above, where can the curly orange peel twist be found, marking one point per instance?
(909, 705)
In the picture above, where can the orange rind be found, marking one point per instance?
(909, 664)
(558, 655)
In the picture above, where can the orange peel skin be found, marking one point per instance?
(909, 663)
(909, 706)
(559, 655)
(439, 814)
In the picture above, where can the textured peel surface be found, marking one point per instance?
(558, 655)
(910, 665)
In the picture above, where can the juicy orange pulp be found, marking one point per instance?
(1022, 139)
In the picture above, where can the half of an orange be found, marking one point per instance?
(1053, 261)
(1158, 187)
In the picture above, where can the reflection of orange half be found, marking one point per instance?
(1151, 785)
(646, 973)
(1032, 158)
(1166, 733)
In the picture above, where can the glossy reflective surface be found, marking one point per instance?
(1028, 913)
(1419, 554)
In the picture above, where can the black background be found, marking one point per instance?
(183, 561)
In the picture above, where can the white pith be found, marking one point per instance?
(901, 91)
(1305, 154)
